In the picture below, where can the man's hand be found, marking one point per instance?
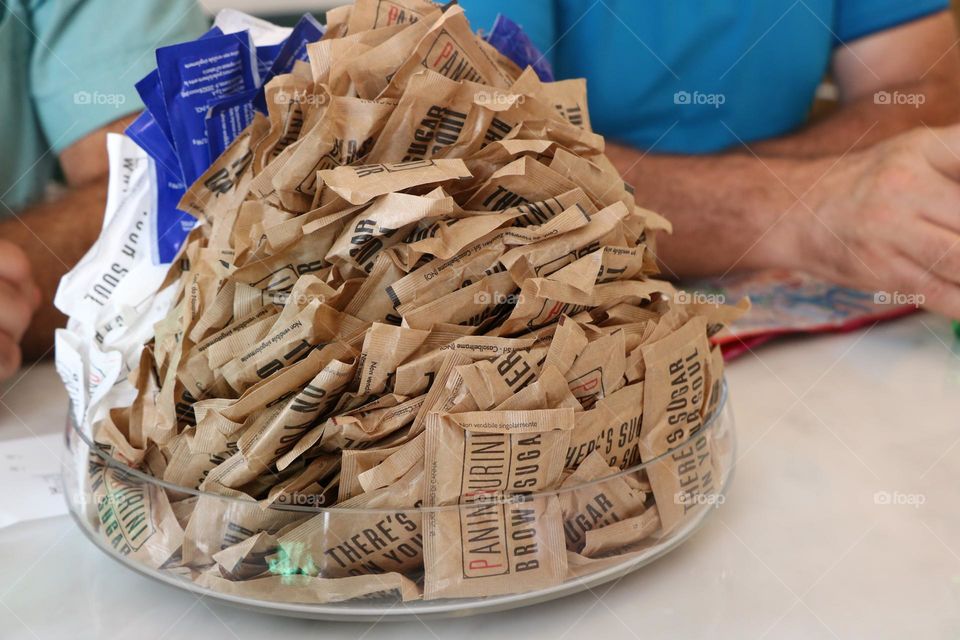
(19, 299)
(888, 218)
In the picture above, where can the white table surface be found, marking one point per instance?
(801, 549)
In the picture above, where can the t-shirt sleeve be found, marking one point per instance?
(537, 17)
(859, 18)
(87, 55)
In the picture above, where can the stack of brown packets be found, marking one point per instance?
(420, 295)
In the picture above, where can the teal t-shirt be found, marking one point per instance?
(697, 76)
(68, 68)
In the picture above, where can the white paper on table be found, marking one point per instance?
(30, 477)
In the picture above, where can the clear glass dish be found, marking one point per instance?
(495, 553)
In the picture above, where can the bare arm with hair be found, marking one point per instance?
(868, 197)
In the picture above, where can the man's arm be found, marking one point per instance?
(55, 235)
(847, 199)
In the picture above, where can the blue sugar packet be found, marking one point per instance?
(294, 48)
(151, 93)
(509, 38)
(266, 55)
(170, 225)
(226, 118)
(146, 132)
(195, 74)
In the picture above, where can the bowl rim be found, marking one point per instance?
(519, 498)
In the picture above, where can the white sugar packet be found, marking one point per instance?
(111, 296)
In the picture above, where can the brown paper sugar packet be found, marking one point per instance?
(353, 462)
(490, 546)
(598, 504)
(598, 370)
(567, 97)
(359, 185)
(374, 14)
(491, 382)
(363, 429)
(624, 534)
(248, 559)
(440, 276)
(112, 434)
(674, 394)
(449, 48)
(369, 534)
(399, 461)
(494, 452)
(371, 72)
(431, 115)
(384, 348)
(541, 259)
(221, 521)
(133, 517)
(309, 487)
(337, 20)
(418, 373)
(368, 422)
(715, 367)
(562, 134)
(550, 390)
(382, 225)
(328, 56)
(371, 302)
(277, 432)
(604, 188)
(344, 135)
(475, 305)
(289, 342)
(222, 185)
(301, 589)
(523, 180)
(291, 102)
(197, 451)
(568, 342)
(612, 428)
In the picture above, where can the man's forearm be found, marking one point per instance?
(729, 211)
(55, 235)
(869, 120)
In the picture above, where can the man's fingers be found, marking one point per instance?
(932, 248)
(10, 357)
(932, 291)
(16, 311)
(942, 149)
(14, 265)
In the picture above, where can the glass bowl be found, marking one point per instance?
(488, 554)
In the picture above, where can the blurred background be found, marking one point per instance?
(283, 10)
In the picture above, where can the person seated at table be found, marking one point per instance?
(67, 74)
(706, 108)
